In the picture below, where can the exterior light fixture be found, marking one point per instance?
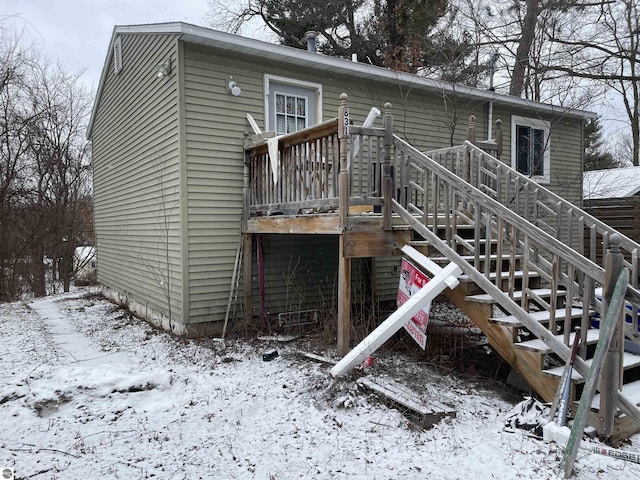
(233, 88)
(163, 69)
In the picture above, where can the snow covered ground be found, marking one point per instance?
(89, 392)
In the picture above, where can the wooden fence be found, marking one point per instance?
(622, 214)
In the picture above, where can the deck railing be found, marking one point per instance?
(300, 174)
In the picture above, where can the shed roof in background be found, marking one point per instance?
(611, 183)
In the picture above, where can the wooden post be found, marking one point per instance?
(247, 284)
(246, 192)
(607, 329)
(498, 138)
(611, 376)
(471, 129)
(344, 263)
(387, 186)
(343, 177)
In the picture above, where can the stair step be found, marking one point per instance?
(540, 317)
(419, 243)
(539, 346)
(629, 360)
(517, 295)
(631, 391)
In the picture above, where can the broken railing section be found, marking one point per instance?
(442, 278)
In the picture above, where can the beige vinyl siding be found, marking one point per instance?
(215, 126)
(136, 177)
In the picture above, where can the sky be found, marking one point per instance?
(76, 33)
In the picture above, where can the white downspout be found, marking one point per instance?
(492, 70)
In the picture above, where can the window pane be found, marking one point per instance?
(280, 124)
(301, 124)
(291, 124)
(279, 103)
(302, 107)
(522, 149)
(290, 103)
(538, 152)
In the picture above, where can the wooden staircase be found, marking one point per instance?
(533, 263)
(527, 284)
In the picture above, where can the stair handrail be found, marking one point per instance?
(626, 244)
(480, 168)
(471, 192)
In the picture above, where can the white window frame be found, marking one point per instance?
(316, 87)
(539, 125)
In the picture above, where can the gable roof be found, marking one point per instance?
(302, 58)
(611, 183)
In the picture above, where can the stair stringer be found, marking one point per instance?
(527, 363)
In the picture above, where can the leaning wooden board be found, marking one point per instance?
(426, 415)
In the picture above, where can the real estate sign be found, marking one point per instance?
(412, 280)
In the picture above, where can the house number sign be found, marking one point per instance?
(345, 121)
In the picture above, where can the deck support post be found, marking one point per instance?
(387, 185)
(611, 375)
(247, 240)
(344, 263)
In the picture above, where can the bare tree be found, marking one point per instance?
(15, 120)
(404, 35)
(60, 164)
(45, 179)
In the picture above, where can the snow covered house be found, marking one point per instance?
(169, 129)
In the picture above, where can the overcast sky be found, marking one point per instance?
(77, 32)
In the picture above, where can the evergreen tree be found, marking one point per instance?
(597, 157)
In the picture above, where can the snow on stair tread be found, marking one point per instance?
(631, 391)
(542, 316)
(538, 345)
(629, 360)
(517, 295)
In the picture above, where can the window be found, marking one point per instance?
(291, 105)
(530, 148)
(291, 113)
